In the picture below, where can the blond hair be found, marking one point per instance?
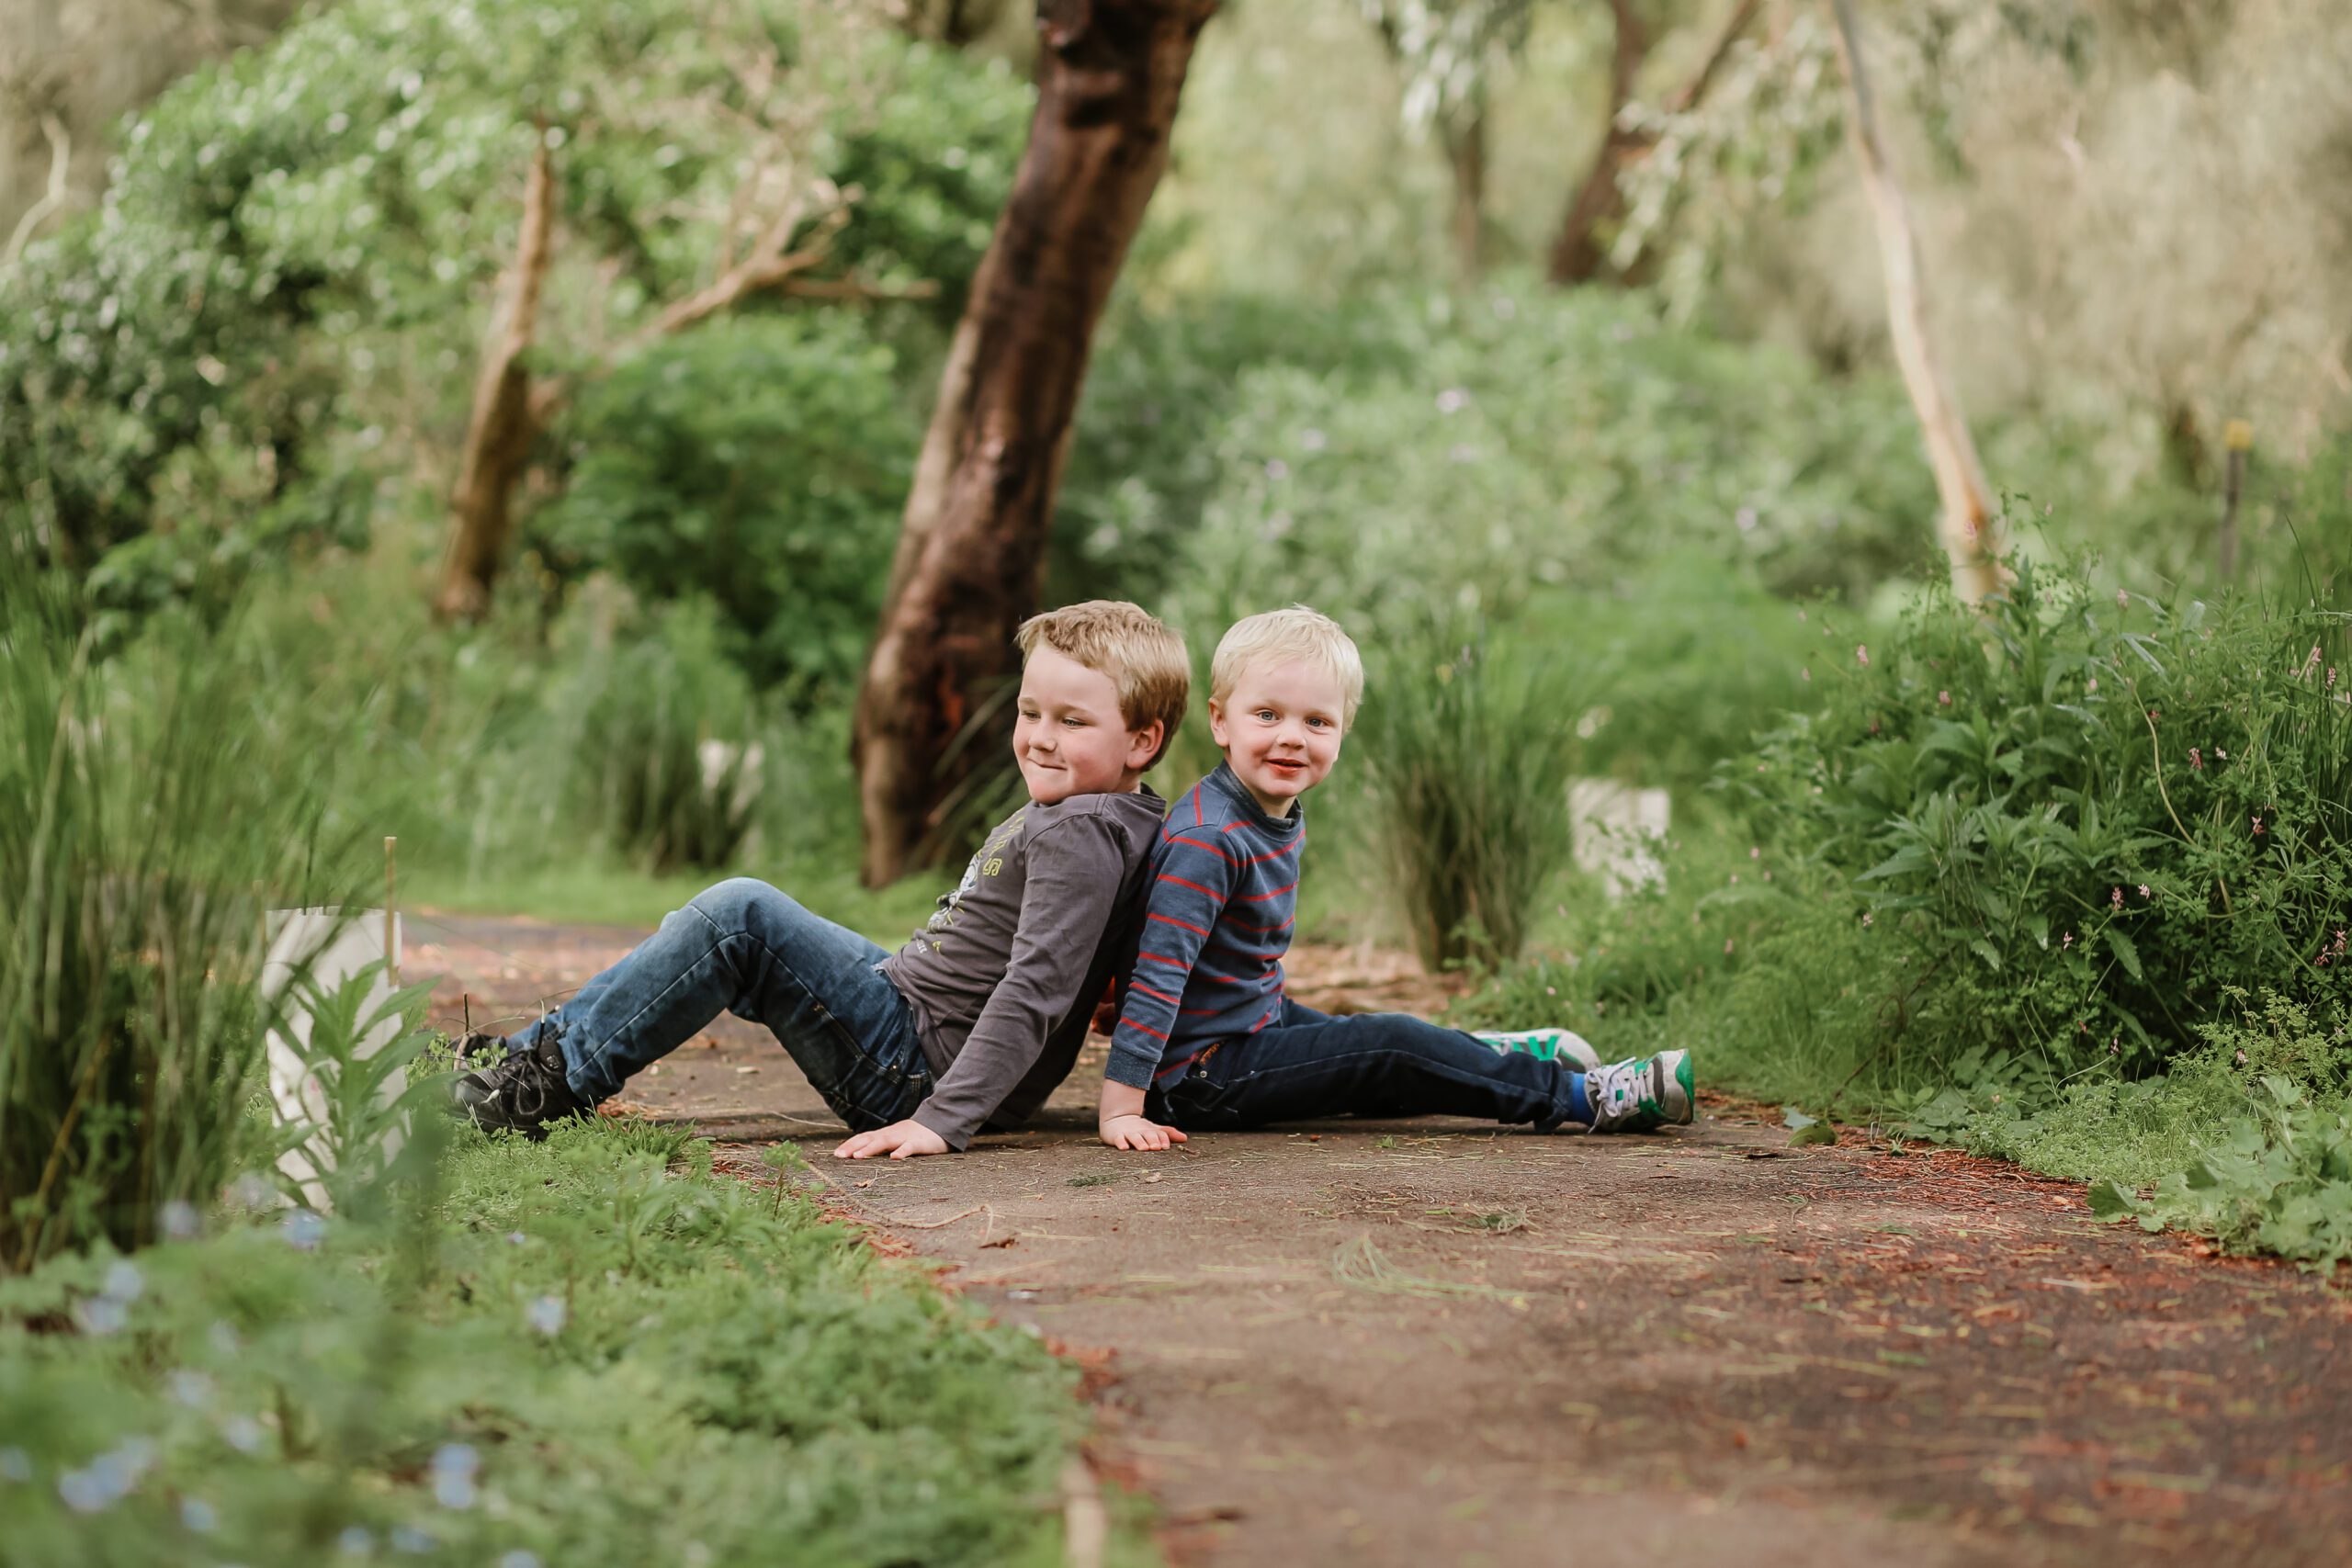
(1143, 656)
(1295, 633)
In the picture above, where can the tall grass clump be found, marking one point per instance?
(1468, 744)
(670, 759)
(150, 809)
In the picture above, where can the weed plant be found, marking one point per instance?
(592, 1350)
(1468, 746)
(149, 812)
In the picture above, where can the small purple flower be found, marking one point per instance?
(1453, 399)
(2092, 684)
(1943, 699)
(2115, 897)
(1276, 468)
(1866, 918)
(2196, 760)
(1863, 654)
(2066, 942)
(2257, 826)
(2143, 891)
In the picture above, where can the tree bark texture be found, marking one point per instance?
(1578, 252)
(506, 420)
(973, 539)
(1967, 528)
(1581, 251)
(1463, 131)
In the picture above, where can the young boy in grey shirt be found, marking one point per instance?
(976, 1019)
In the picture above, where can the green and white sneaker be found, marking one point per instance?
(1642, 1093)
(1547, 1045)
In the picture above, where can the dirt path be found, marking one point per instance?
(1429, 1342)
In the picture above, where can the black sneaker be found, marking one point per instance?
(521, 1094)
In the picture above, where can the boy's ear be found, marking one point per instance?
(1143, 744)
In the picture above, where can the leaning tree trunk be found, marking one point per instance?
(966, 572)
(1968, 523)
(1463, 131)
(506, 423)
(1579, 253)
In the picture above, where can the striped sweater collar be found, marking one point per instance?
(1228, 786)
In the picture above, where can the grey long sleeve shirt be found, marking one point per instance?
(1005, 976)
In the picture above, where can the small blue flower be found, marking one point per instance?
(180, 1220)
(82, 1491)
(100, 1315)
(357, 1541)
(224, 1340)
(198, 1516)
(242, 1433)
(408, 1538)
(454, 1467)
(16, 1465)
(518, 1558)
(545, 1313)
(304, 1230)
(124, 1282)
(517, 1237)
(191, 1389)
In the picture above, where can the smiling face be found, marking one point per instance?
(1280, 727)
(1068, 736)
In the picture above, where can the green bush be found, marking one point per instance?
(592, 1350)
(2075, 820)
(1468, 746)
(759, 470)
(150, 809)
(670, 756)
(279, 303)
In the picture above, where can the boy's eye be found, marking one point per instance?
(1267, 714)
(1075, 723)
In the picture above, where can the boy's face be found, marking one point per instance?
(1280, 727)
(1068, 736)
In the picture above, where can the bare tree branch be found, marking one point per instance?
(61, 160)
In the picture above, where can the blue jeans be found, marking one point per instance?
(1376, 1064)
(744, 948)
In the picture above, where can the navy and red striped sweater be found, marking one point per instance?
(1222, 898)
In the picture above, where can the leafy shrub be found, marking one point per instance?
(2279, 1183)
(592, 1350)
(670, 759)
(148, 812)
(2074, 821)
(759, 469)
(1468, 746)
(284, 287)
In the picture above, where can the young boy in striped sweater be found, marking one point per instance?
(1206, 1038)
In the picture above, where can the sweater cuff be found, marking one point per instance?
(957, 1135)
(1129, 1067)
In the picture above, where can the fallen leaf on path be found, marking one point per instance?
(1000, 1241)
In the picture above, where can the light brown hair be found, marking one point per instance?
(1144, 657)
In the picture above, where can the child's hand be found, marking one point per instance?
(900, 1140)
(1133, 1132)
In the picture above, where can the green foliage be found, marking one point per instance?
(1469, 761)
(370, 1067)
(149, 809)
(1492, 448)
(670, 762)
(280, 302)
(761, 468)
(2073, 819)
(2280, 1184)
(594, 1350)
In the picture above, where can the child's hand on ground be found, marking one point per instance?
(900, 1140)
(1135, 1132)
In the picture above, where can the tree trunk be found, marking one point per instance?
(1109, 76)
(506, 420)
(1968, 520)
(1579, 254)
(1464, 133)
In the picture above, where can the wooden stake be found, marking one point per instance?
(2237, 439)
(392, 909)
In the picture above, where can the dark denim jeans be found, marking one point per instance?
(1374, 1064)
(744, 948)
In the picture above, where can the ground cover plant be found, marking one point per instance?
(589, 1350)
